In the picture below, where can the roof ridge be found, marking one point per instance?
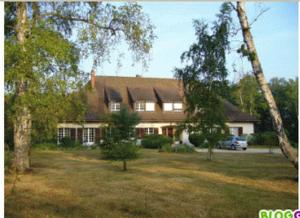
(131, 77)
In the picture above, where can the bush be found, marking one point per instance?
(67, 142)
(45, 146)
(183, 148)
(270, 138)
(120, 152)
(197, 140)
(155, 141)
(264, 138)
(166, 148)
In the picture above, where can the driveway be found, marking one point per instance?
(248, 151)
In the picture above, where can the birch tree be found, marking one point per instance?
(250, 50)
(44, 42)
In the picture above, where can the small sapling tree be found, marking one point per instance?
(118, 145)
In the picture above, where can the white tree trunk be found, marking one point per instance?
(285, 146)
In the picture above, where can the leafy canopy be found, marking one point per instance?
(57, 36)
(204, 76)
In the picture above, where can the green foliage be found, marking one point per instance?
(166, 148)
(156, 141)
(58, 35)
(182, 148)
(263, 138)
(117, 137)
(285, 93)
(120, 151)
(246, 53)
(67, 142)
(197, 139)
(45, 146)
(204, 77)
(248, 97)
(121, 125)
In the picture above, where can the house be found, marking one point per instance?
(159, 103)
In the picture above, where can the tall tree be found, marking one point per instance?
(247, 95)
(44, 42)
(285, 93)
(204, 78)
(251, 52)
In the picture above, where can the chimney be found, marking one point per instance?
(93, 78)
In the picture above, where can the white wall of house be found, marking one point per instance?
(86, 125)
(248, 128)
(155, 125)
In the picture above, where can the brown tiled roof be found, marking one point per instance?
(98, 108)
(141, 94)
(112, 94)
(234, 114)
(137, 88)
(167, 95)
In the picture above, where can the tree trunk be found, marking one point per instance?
(288, 151)
(124, 165)
(22, 122)
(209, 157)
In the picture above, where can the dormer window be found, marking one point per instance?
(150, 106)
(139, 106)
(114, 106)
(168, 106)
(176, 107)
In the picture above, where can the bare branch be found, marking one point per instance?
(84, 20)
(260, 13)
(232, 5)
(236, 31)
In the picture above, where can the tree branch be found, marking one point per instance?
(84, 20)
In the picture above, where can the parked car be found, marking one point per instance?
(233, 143)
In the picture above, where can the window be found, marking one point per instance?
(63, 133)
(88, 135)
(177, 107)
(150, 106)
(114, 106)
(149, 131)
(139, 106)
(168, 106)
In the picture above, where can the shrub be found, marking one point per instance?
(264, 138)
(155, 141)
(197, 139)
(120, 152)
(183, 148)
(166, 148)
(45, 146)
(67, 142)
(270, 138)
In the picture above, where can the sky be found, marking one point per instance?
(275, 34)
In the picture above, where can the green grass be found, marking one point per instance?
(81, 184)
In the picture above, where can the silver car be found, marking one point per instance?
(233, 143)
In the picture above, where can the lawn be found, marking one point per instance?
(81, 184)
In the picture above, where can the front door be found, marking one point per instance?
(168, 131)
